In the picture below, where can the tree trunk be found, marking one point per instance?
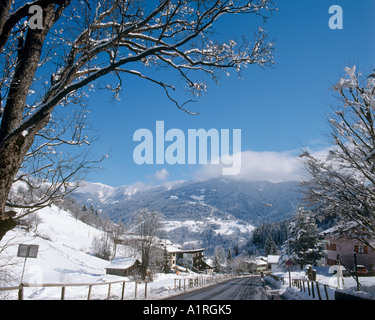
(12, 155)
(14, 146)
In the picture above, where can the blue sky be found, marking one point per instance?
(280, 110)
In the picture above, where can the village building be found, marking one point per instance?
(342, 246)
(260, 264)
(273, 263)
(123, 266)
(192, 259)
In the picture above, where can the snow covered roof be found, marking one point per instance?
(173, 248)
(122, 263)
(273, 259)
(260, 262)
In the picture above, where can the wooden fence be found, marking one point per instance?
(179, 283)
(187, 283)
(63, 287)
(312, 288)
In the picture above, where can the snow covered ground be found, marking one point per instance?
(64, 256)
(346, 284)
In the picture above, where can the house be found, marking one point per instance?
(123, 266)
(273, 263)
(191, 259)
(340, 245)
(208, 266)
(260, 264)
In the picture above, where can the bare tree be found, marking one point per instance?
(148, 224)
(342, 182)
(53, 52)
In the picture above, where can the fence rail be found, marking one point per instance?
(63, 286)
(313, 288)
(184, 283)
(179, 283)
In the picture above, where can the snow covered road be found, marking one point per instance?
(246, 288)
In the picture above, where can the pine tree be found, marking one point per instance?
(166, 262)
(270, 247)
(229, 261)
(303, 245)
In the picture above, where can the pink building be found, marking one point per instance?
(339, 243)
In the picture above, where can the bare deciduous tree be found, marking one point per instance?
(342, 182)
(148, 225)
(52, 60)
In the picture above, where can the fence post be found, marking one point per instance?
(146, 289)
(317, 289)
(308, 286)
(123, 291)
(20, 292)
(89, 294)
(109, 291)
(135, 290)
(62, 293)
(312, 289)
(325, 289)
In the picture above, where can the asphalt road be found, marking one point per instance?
(246, 288)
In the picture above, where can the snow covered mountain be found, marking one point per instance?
(205, 213)
(248, 201)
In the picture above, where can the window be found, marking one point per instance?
(331, 246)
(360, 249)
(331, 262)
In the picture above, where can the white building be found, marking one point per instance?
(273, 263)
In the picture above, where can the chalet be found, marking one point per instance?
(123, 266)
(340, 244)
(260, 264)
(273, 263)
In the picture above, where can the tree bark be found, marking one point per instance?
(13, 148)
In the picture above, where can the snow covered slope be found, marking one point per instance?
(63, 256)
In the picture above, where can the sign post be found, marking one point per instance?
(27, 251)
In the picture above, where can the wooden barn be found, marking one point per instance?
(123, 266)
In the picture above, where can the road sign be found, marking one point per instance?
(27, 250)
(289, 263)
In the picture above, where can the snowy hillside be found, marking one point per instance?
(64, 256)
(197, 200)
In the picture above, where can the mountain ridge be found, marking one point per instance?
(251, 201)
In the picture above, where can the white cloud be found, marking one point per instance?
(161, 175)
(267, 165)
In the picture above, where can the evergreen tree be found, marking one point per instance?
(166, 262)
(229, 261)
(303, 246)
(270, 247)
(219, 256)
(236, 250)
(229, 256)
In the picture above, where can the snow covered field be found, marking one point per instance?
(323, 278)
(64, 256)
